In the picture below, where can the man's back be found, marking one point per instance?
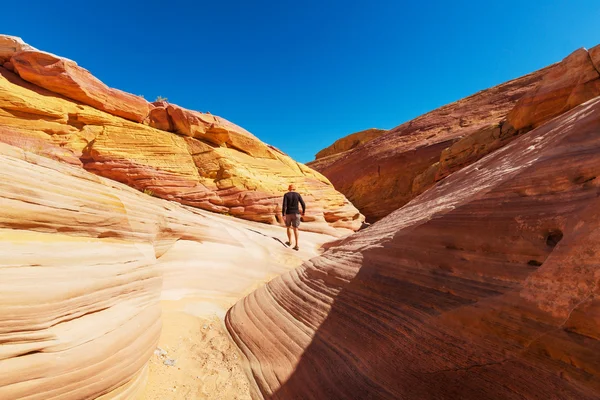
(290, 203)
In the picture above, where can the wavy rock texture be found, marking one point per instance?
(205, 161)
(485, 286)
(84, 262)
(385, 173)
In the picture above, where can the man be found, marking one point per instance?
(291, 213)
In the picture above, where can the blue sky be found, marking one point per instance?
(301, 74)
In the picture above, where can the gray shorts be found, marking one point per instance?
(292, 220)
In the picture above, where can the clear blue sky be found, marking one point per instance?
(301, 74)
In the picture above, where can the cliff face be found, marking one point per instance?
(387, 172)
(51, 106)
(485, 286)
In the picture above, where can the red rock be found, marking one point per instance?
(484, 287)
(8, 65)
(387, 172)
(595, 56)
(65, 77)
(378, 177)
(570, 83)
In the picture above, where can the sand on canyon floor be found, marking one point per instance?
(195, 357)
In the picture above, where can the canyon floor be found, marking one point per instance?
(206, 362)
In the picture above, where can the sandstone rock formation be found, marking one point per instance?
(65, 77)
(387, 172)
(84, 262)
(485, 286)
(177, 154)
(350, 142)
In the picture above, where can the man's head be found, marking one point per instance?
(292, 187)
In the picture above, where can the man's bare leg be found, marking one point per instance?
(296, 236)
(289, 233)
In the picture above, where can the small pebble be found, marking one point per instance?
(170, 362)
(160, 352)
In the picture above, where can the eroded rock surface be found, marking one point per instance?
(65, 77)
(177, 154)
(385, 173)
(84, 261)
(485, 286)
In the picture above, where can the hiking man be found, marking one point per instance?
(291, 213)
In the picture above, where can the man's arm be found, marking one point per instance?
(303, 205)
(284, 206)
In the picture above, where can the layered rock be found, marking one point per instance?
(573, 81)
(485, 286)
(177, 154)
(387, 172)
(65, 77)
(84, 261)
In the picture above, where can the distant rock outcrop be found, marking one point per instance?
(385, 173)
(55, 108)
(350, 142)
(484, 287)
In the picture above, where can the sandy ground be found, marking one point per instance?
(196, 358)
(207, 364)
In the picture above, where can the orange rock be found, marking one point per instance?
(350, 142)
(65, 77)
(10, 45)
(570, 83)
(215, 130)
(193, 171)
(485, 286)
(595, 56)
(159, 118)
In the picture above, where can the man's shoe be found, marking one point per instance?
(296, 248)
(288, 244)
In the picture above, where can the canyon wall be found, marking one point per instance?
(51, 106)
(385, 173)
(485, 286)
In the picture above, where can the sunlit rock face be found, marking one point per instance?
(485, 286)
(349, 142)
(84, 261)
(385, 173)
(53, 107)
(96, 189)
